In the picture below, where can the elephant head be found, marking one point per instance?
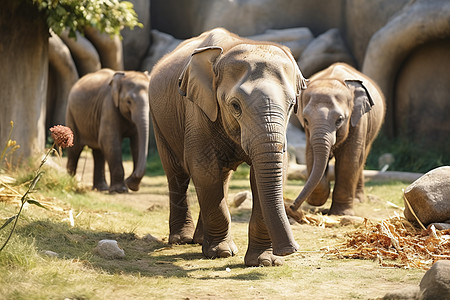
(251, 92)
(129, 93)
(329, 109)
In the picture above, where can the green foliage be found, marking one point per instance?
(154, 165)
(409, 157)
(242, 172)
(108, 16)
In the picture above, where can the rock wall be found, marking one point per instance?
(402, 44)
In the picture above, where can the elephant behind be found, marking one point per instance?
(342, 111)
(216, 101)
(105, 107)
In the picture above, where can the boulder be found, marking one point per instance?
(184, 19)
(162, 43)
(435, 284)
(408, 293)
(242, 197)
(323, 51)
(429, 197)
(296, 39)
(136, 41)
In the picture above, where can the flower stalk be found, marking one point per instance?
(63, 138)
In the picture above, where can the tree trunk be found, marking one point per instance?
(23, 77)
(62, 76)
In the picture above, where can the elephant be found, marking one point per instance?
(103, 108)
(341, 111)
(216, 101)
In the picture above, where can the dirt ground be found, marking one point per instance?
(309, 274)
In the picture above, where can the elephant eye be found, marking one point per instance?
(236, 108)
(339, 121)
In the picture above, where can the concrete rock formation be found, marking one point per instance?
(429, 197)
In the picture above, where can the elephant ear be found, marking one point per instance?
(362, 100)
(115, 87)
(196, 82)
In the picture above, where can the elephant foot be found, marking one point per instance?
(223, 248)
(182, 236)
(262, 257)
(133, 183)
(178, 239)
(101, 187)
(118, 188)
(360, 196)
(341, 209)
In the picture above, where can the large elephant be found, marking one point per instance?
(342, 111)
(103, 108)
(216, 101)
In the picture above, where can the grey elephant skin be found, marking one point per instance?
(105, 107)
(342, 111)
(217, 101)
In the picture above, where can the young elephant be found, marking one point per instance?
(103, 108)
(342, 111)
(216, 101)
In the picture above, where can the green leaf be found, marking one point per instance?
(8, 221)
(75, 15)
(35, 202)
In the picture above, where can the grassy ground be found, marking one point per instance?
(153, 269)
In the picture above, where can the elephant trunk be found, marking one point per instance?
(268, 167)
(321, 146)
(141, 121)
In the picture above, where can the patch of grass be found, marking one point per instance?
(409, 156)
(154, 269)
(242, 172)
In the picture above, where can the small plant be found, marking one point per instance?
(63, 138)
(10, 146)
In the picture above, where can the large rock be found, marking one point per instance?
(414, 44)
(429, 197)
(244, 17)
(323, 51)
(435, 284)
(162, 43)
(136, 41)
(374, 14)
(296, 39)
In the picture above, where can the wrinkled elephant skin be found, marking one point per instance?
(104, 108)
(342, 111)
(216, 101)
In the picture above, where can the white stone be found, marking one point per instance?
(109, 249)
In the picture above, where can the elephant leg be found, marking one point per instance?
(99, 171)
(181, 224)
(113, 155)
(259, 251)
(198, 234)
(216, 219)
(348, 168)
(359, 194)
(73, 155)
(131, 181)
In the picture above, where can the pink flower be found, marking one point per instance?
(62, 135)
